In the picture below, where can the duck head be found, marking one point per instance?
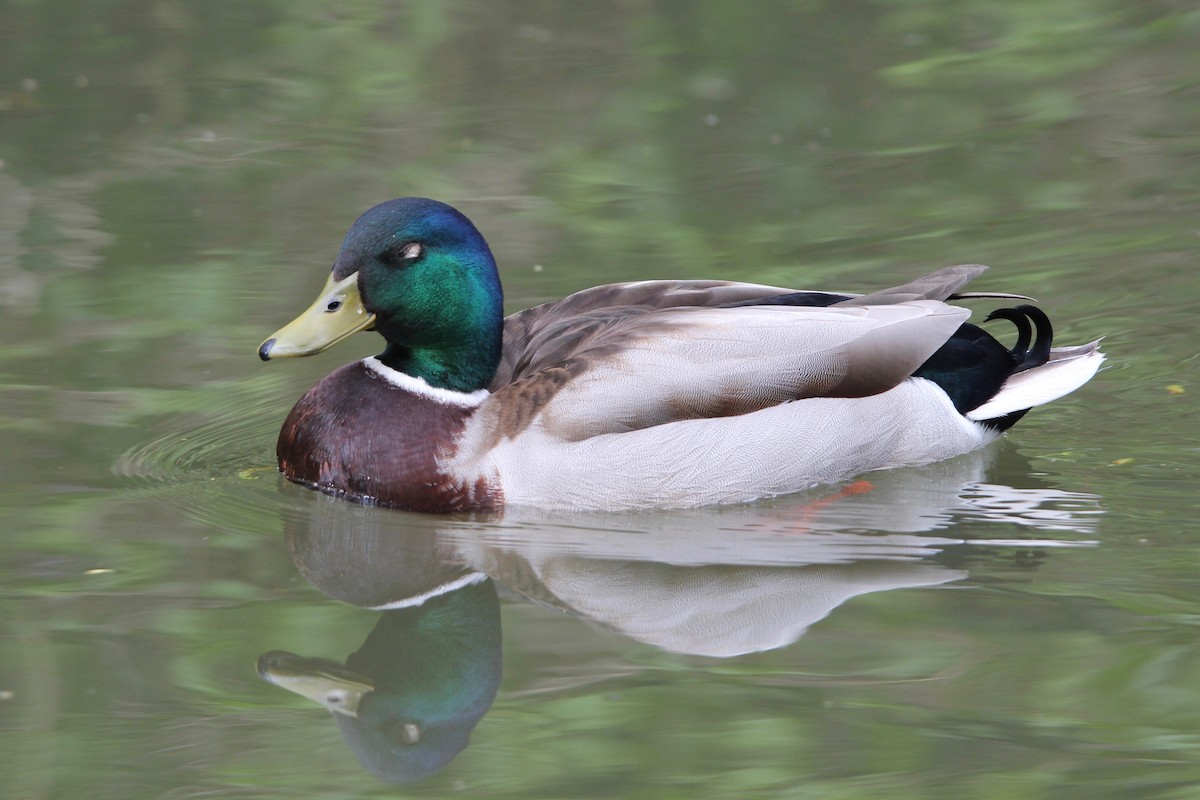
(419, 273)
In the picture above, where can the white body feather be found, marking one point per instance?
(777, 450)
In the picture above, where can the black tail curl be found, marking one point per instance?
(1031, 322)
(972, 366)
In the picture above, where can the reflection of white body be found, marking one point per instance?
(747, 578)
(715, 582)
(722, 611)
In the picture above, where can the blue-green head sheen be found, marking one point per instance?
(427, 274)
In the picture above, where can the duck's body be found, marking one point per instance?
(655, 393)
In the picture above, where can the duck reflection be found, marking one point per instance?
(408, 699)
(712, 582)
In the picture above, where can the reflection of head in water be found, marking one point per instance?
(436, 669)
(407, 700)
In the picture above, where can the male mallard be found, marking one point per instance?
(631, 395)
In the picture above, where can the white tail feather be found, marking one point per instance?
(1067, 370)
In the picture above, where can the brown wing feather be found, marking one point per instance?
(548, 346)
(551, 333)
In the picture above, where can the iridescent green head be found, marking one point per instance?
(418, 272)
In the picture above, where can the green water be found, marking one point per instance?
(175, 180)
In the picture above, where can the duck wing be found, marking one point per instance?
(605, 363)
(549, 334)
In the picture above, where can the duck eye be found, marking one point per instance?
(405, 733)
(401, 733)
(407, 253)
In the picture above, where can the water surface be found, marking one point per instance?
(175, 180)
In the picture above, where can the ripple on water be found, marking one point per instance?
(218, 468)
(241, 437)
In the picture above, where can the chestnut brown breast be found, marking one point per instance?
(356, 435)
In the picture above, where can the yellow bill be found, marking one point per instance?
(337, 313)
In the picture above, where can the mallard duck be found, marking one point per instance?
(635, 395)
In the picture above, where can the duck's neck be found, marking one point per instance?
(449, 335)
(464, 368)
